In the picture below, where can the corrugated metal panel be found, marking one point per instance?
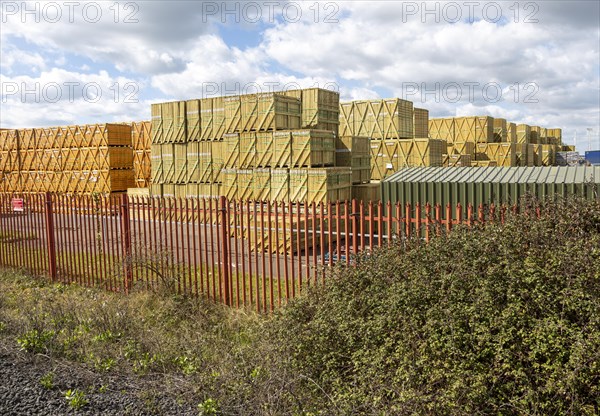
(544, 174)
(486, 184)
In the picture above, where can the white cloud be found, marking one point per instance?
(182, 50)
(215, 68)
(59, 97)
(354, 94)
(12, 56)
(556, 63)
(134, 36)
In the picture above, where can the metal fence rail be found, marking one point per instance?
(242, 253)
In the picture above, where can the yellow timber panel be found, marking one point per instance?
(229, 186)
(193, 161)
(217, 159)
(168, 162)
(247, 149)
(180, 163)
(206, 167)
(442, 128)
(193, 110)
(511, 133)
(282, 149)
(523, 132)
(347, 126)
(264, 149)
(233, 115)
(298, 185)
(245, 187)
(231, 155)
(420, 122)
(261, 184)
(249, 112)
(500, 130)
(280, 184)
(207, 127)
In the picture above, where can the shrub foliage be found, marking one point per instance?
(497, 320)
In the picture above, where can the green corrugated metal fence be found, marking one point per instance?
(486, 185)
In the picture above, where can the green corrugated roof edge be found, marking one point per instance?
(538, 174)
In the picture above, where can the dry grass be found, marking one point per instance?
(212, 352)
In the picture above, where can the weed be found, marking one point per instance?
(186, 364)
(131, 349)
(35, 341)
(104, 364)
(76, 399)
(208, 407)
(69, 342)
(106, 336)
(145, 361)
(255, 374)
(47, 381)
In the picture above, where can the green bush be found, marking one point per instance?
(35, 341)
(497, 320)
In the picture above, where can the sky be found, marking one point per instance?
(77, 62)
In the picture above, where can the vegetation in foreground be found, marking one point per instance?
(497, 320)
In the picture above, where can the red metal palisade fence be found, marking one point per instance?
(242, 253)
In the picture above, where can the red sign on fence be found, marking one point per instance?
(17, 205)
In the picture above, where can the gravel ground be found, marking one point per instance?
(108, 393)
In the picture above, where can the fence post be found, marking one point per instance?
(50, 239)
(480, 214)
(418, 220)
(355, 216)
(126, 242)
(427, 220)
(223, 207)
(438, 219)
(3, 261)
(470, 214)
(407, 218)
